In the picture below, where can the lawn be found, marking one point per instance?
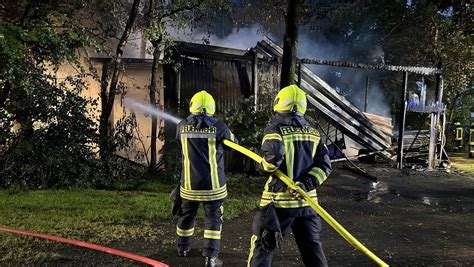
(463, 162)
(99, 216)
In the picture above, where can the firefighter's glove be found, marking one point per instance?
(271, 239)
(176, 201)
(295, 193)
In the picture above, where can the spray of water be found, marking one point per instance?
(133, 104)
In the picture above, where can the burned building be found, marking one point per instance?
(230, 74)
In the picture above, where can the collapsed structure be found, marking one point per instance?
(230, 74)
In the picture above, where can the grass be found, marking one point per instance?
(463, 162)
(99, 216)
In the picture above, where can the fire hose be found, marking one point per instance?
(313, 204)
(86, 245)
(288, 181)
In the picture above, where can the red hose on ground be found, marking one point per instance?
(86, 245)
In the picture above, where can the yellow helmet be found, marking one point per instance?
(202, 101)
(290, 98)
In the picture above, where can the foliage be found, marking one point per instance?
(46, 132)
(248, 122)
(47, 136)
(434, 33)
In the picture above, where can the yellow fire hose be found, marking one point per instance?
(326, 216)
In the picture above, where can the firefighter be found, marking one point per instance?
(203, 180)
(293, 146)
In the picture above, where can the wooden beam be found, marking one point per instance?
(434, 124)
(366, 102)
(255, 77)
(432, 145)
(202, 50)
(345, 123)
(320, 87)
(348, 129)
(345, 116)
(342, 102)
(347, 64)
(402, 117)
(299, 74)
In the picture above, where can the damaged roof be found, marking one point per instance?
(337, 110)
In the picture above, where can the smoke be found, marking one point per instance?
(133, 104)
(349, 82)
(239, 38)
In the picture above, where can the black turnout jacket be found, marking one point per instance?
(202, 177)
(293, 146)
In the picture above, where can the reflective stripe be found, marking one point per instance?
(253, 241)
(212, 234)
(204, 195)
(290, 148)
(315, 146)
(285, 195)
(268, 166)
(222, 215)
(186, 163)
(286, 203)
(319, 174)
(267, 184)
(184, 232)
(273, 136)
(198, 135)
(204, 198)
(204, 192)
(285, 199)
(302, 137)
(289, 156)
(213, 163)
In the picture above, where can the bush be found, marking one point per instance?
(47, 137)
(247, 122)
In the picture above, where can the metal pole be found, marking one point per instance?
(366, 94)
(432, 147)
(255, 78)
(434, 123)
(299, 74)
(423, 94)
(439, 88)
(442, 137)
(402, 117)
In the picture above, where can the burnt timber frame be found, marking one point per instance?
(401, 127)
(331, 105)
(405, 69)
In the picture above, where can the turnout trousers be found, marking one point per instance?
(306, 227)
(213, 211)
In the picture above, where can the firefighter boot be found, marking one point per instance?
(183, 253)
(213, 262)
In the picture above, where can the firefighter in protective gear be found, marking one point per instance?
(203, 180)
(293, 146)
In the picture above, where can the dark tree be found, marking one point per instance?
(290, 44)
(109, 84)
